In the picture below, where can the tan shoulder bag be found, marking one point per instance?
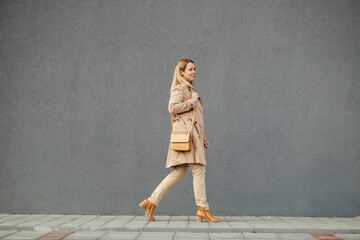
(181, 141)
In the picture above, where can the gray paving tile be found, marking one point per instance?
(136, 224)
(156, 224)
(202, 225)
(296, 236)
(141, 218)
(25, 235)
(117, 222)
(321, 226)
(177, 224)
(350, 221)
(162, 218)
(235, 219)
(312, 220)
(245, 227)
(20, 220)
(179, 218)
(304, 226)
(75, 223)
(260, 225)
(281, 225)
(261, 236)
(86, 235)
(191, 235)
(348, 236)
(270, 219)
(39, 221)
(55, 223)
(155, 235)
(222, 224)
(292, 221)
(253, 219)
(332, 221)
(12, 217)
(7, 233)
(120, 236)
(277, 222)
(185, 238)
(192, 218)
(96, 223)
(239, 224)
(227, 238)
(223, 236)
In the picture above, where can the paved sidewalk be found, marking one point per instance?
(36, 226)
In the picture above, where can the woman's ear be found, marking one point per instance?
(181, 73)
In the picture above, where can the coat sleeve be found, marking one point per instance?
(176, 103)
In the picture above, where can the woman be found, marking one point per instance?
(183, 101)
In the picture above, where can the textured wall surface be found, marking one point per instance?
(84, 87)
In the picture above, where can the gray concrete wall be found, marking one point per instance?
(85, 88)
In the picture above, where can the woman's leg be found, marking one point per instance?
(203, 211)
(174, 177)
(198, 172)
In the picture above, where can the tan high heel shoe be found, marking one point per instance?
(205, 214)
(149, 208)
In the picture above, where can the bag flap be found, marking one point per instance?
(180, 137)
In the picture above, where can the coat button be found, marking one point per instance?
(195, 122)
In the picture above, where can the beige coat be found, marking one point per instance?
(181, 106)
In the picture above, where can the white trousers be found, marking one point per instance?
(178, 173)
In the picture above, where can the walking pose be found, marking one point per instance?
(187, 115)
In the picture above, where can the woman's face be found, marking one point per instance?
(189, 73)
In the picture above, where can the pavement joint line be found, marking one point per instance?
(23, 218)
(111, 219)
(81, 225)
(10, 216)
(124, 223)
(54, 225)
(33, 227)
(345, 222)
(138, 235)
(226, 219)
(96, 217)
(282, 221)
(279, 236)
(41, 216)
(70, 221)
(168, 221)
(143, 228)
(30, 227)
(16, 231)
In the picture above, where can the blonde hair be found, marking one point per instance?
(178, 79)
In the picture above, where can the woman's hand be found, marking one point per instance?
(206, 144)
